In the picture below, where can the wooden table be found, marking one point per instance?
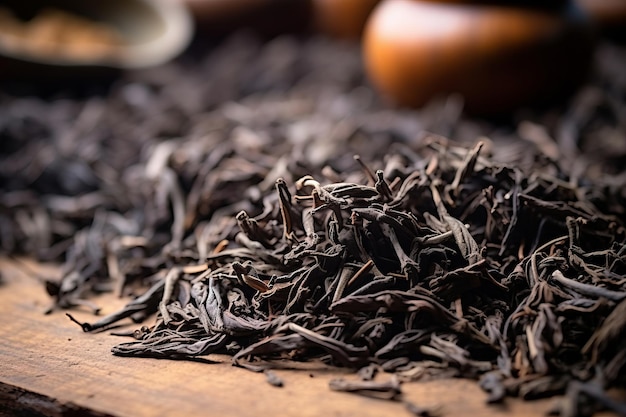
(50, 367)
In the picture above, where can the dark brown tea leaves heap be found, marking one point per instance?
(443, 262)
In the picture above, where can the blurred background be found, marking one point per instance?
(257, 89)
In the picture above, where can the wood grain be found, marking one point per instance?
(49, 367)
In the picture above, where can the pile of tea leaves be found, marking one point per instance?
(264, 204)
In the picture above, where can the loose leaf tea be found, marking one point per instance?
(286, 218)
(58, 34)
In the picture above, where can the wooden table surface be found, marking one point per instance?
(50, 367)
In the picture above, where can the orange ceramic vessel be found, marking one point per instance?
(498, 57)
